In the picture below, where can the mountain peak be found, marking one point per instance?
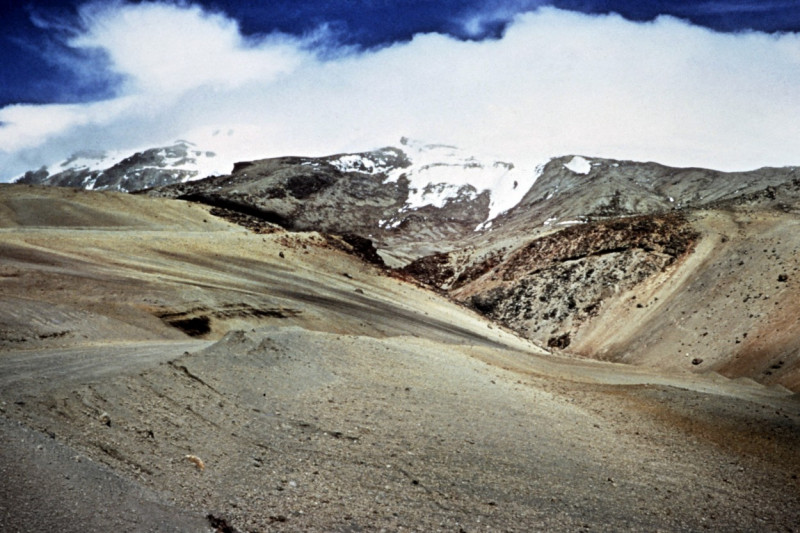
(104, 170)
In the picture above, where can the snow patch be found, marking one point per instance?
(355, 163)
(439, 173)
(579, 165)
(390, 223)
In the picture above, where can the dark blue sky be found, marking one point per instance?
(29, 73)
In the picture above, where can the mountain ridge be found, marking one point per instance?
(100, 170)
(584, 249)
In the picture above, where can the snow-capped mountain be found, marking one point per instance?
(439, 173)
(393, 195)
(546, 251)
(435, 175)
(562, 253)
(118, 171)
(415, 200)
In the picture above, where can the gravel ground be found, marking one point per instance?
(324, 396)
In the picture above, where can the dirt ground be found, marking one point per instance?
(163, 370)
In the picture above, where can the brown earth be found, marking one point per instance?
(322, 395)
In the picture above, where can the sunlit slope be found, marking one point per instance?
(26, 206)
(164, 269)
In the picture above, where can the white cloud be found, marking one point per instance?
(26, 126)
(556, 83)
(165, 48)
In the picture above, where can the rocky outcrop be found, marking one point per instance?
(549, 288)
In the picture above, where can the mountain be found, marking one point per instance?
(411, 201)
(616, 260)
(100, 170)
(163, 367)
(674, 268)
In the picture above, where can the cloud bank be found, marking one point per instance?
(556, 83)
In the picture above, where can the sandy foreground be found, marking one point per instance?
(313, 392)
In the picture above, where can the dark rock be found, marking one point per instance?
(560, 342)
(363, 248)
(434, 270)
(487, 302)
(220, 525)
(303, 186)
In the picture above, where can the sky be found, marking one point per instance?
(702, 83)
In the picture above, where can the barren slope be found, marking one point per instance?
(322, 394)
(710, 290)
(730, 307)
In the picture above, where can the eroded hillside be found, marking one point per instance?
(610, 265)
(708, 291)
